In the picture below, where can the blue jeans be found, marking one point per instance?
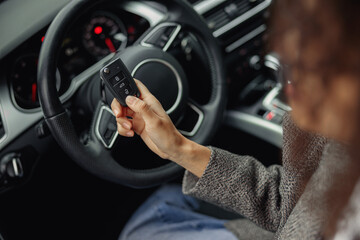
(168, 214)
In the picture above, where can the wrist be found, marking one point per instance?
(181, 149)
(192, 156)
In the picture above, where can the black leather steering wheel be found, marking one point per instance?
(96, 157)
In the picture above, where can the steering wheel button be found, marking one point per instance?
(108, 134)
(161, 36)
(111, 126)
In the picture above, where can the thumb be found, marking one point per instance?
(140, 107)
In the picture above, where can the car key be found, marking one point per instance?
(119, 80)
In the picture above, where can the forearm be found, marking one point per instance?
(242, 184)
(192, 156)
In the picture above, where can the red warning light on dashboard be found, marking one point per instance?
(98, 30)
(42, 38)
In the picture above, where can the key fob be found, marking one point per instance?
(119, 80)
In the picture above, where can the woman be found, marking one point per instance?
(314, 194)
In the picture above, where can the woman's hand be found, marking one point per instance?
(154, 126)
(150, 122)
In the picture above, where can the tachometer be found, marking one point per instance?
(103, 34)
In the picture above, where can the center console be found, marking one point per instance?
(256, 100)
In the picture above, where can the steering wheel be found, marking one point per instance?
(149, 62)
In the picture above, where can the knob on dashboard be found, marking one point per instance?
(10, 166)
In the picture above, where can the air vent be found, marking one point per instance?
(228, 11)
(243, 31)
(235, 22)
(2, 129)
(230, 14)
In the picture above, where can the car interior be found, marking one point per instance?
(65, 173)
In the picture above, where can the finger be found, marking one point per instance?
(149, 98)
(117, 108)
(140, 107)
(143, 89)
(125, 123)
(129, 112)
(120, 111)
(124, 132)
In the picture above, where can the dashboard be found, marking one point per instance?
(95, 34)
(240, 27)
(92, 37)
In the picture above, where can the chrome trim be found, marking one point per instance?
(198, 123)
(18, 170)
(270, 97)
(206, 5)
(247, 15)
(268, 101)
(2, 118)
(256, 126)
(171, 39)
(177, 75)
(97, 132)
(14, 163)
(152, 15)
(272, 62)
(245, 38)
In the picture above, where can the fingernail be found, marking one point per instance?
(116, 112)
(130, 100)
(126, 126)
(129, 134)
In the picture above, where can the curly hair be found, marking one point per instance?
(320, 41)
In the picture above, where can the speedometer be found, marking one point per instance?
(104, 33)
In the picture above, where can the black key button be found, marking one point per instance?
(122, 85)
(126, 91)
(117, 78)
(123, 89)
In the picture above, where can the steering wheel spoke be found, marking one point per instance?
(105, 126)
(161, 36)
(192, 119)
(90, 71)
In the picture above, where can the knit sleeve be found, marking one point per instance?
(265, 195)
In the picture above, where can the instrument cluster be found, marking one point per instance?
(94, 36)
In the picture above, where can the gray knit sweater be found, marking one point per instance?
(281, 202)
